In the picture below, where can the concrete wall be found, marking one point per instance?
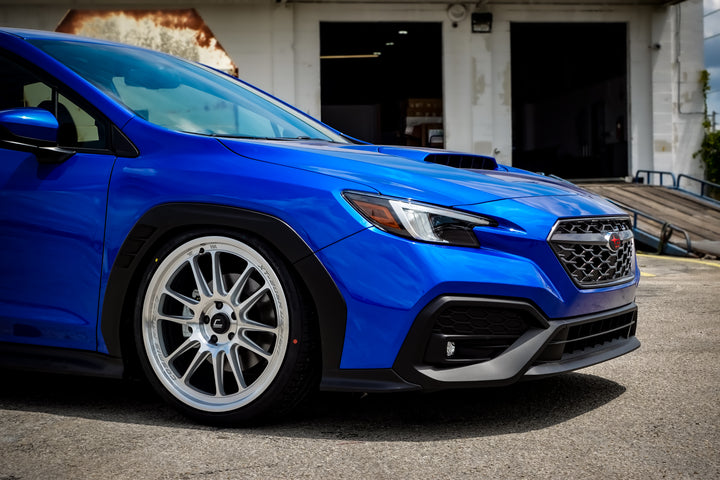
(276, 46)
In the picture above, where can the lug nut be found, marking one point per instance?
(233, 316)
(231, 335)
(206, 319)
(213, 339)
(219, 305)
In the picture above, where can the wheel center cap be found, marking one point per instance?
(220, 323)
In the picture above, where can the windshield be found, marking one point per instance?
(184, 96)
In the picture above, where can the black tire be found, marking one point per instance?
(240, 349)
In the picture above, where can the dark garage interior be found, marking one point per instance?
(569, 99)
(381, 82)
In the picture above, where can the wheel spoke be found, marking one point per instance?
(253, 326)
(250, 302)
(200, 357)
(177, 319)
(218, 361)
(236, 367)
(248, 344)
(239, 284)
(188, 302)
(184, 347)
(200, 281)
(217, 280)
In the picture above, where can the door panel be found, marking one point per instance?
(52, 219)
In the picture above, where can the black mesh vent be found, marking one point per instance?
(583, 337)
(481, 320)
(463, 161)
(477, 333)
(589, 335)
(595, 252)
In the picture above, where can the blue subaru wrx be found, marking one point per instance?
(161, 218)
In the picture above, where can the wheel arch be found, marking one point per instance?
(164, 222)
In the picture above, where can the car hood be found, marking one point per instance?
(406, 172)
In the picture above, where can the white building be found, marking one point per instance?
(712, 58)
(580, 88)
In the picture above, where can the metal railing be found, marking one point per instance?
(650, 174)
(705, 187)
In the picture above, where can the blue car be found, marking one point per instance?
(160, 218)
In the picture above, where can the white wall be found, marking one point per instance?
(677, 101)
(688, 62)
(259, 38)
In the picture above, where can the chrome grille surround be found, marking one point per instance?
(595, 252)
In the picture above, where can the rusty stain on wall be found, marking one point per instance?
(662, 146)
(478, 84)
(180, 32)
(506, 94)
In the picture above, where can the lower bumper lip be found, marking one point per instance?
(545, 348)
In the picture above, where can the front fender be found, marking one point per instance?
(163, 222)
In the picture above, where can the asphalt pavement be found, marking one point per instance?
(654, 413)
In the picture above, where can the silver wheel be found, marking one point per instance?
(215, 324)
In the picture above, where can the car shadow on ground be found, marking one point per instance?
(452, 414)
(353, 417)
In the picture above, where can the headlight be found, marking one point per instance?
(418, 221)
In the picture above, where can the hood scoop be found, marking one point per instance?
(461, 160)
(466, 162)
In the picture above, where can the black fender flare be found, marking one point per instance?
(163, 222)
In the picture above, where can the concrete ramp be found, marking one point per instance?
(666, 219)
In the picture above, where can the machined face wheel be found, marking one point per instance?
(215, 323)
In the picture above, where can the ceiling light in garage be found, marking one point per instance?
(339, 57)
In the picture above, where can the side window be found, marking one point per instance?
(78, 128)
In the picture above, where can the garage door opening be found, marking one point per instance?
(569, 99)
(382, 82)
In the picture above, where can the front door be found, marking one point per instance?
(52, 219)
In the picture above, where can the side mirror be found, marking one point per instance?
(35, 125)
(32, 130)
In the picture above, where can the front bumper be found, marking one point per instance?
(396, 291)
(496, 342)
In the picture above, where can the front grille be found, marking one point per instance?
(583, 337)
(478, 333)
(595, 252)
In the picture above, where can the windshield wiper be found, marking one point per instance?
(283, 139)
(302, 138)
(241, 137)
